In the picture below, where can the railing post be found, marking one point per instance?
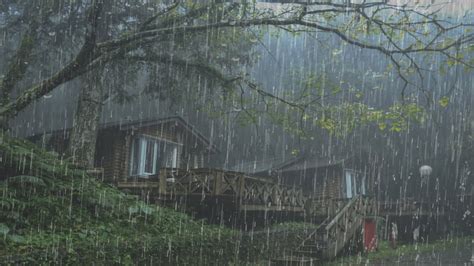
(240, 193)
(274, 195)
(162, 177)
(218, 183)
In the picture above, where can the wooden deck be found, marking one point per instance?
(251, 193)
(243, 193)
(409, 207)
(248, 193)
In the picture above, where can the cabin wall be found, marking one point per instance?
(117, 162)
(111, 153)
(166, 132)
(114, 147)
(323, 182)
(333, 181)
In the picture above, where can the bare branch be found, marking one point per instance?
(95, 54)
(72, 70)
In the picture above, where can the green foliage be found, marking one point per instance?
(52, 212)
(25, 179)
(342, 119)
(273, 240)
(444, 101)
(55, 213)
(4, 229)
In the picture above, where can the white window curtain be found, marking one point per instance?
(348, 184)
(148, 155)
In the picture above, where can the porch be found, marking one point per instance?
(244, 192)
(410, 207)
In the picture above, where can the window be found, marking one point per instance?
(148, 155)
(348, 182)
(353, 184)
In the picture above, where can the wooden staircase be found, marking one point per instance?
(332, 235)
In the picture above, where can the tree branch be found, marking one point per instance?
(95, 54)
(72, 70)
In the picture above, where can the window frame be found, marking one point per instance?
(142, 154)
(358, 184)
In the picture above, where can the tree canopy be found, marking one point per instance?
(99, 32)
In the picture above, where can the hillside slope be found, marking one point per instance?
(53, 212)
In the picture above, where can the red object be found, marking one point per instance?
(370, 235)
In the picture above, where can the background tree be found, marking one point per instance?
(133, 32)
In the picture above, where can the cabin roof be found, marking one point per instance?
(273, 165)
(303, 162)
(135, 124)
(257, 166)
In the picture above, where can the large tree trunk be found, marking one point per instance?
(86, 122)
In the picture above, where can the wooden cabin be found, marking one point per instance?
(139, 149)
(321, 177)
(327, 184)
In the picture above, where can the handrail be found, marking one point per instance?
(250, 189)
(334, 220)
(342, 212)
(314, 232)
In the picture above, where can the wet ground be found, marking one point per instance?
(459, 256)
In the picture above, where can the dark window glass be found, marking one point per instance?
(149, 156)
(135, 160)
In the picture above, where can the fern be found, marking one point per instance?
(26, 179)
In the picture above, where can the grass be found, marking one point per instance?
(386, 253)
(54, 213)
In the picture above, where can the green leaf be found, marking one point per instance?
(382, 126)
(133, 209)
(147, 209)
(4, 229)
(17, 238)
(451, 62)
(444, 101)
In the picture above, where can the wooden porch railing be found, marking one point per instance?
(337, 230)
(345, 224)
(246, 190)
(325, 206)
(409, 206)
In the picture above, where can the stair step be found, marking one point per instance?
(312, 248)
(294, 261)
(306, 253)
(315, 244)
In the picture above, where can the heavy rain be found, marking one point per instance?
(211, 132)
